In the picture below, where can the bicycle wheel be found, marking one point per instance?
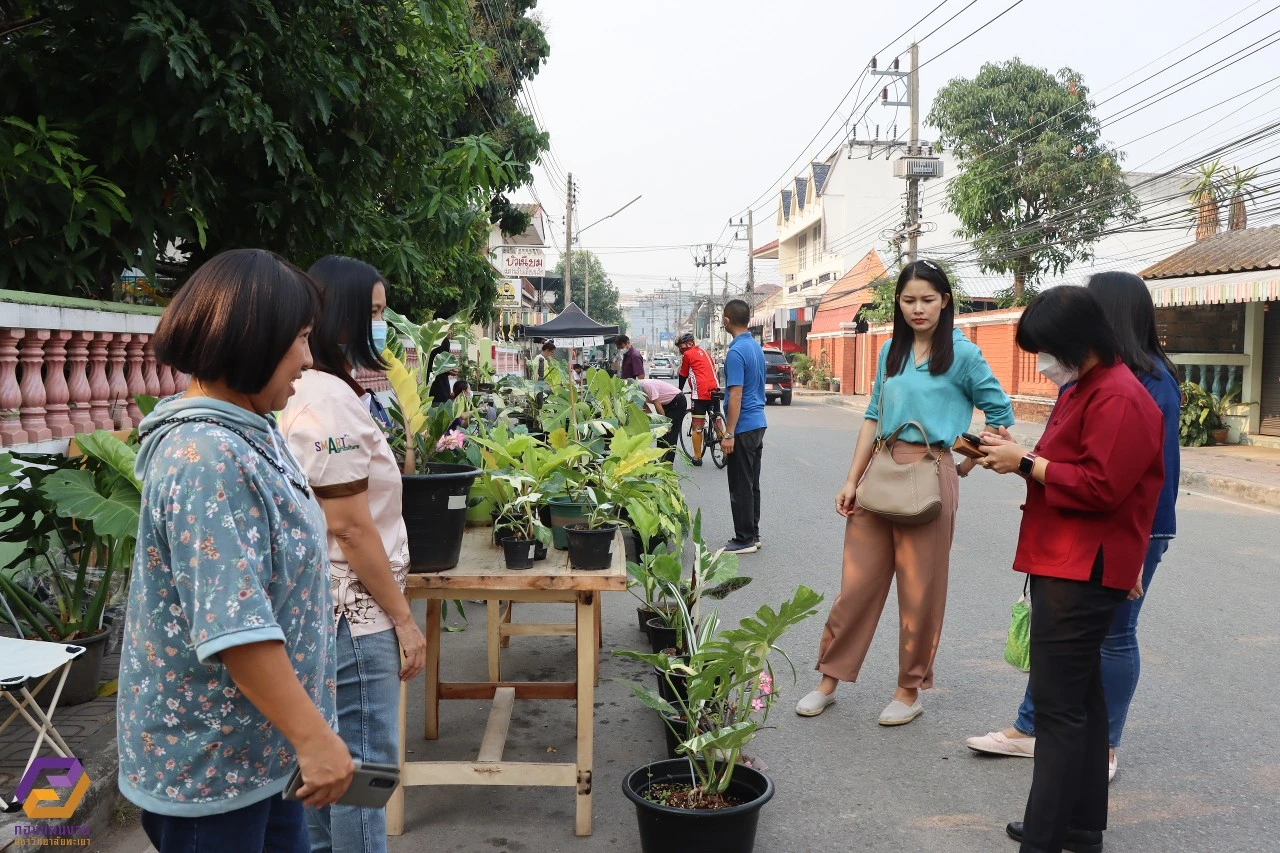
(686, 438)
(717, 452)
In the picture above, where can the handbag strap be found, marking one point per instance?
(893, 437)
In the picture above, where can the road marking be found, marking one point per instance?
(1242, 505)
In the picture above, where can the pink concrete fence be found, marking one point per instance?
(56, 383)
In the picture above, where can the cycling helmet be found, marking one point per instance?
(686, 338)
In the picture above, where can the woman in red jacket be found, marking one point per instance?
(1093, 482)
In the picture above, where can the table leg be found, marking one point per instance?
(599, 635)
(506, 617)
(493, 619)
(432, 728)
(587, 656)
(395, 806)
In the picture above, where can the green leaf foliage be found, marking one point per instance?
(1037, 184)
(387, 131)
(588, 270)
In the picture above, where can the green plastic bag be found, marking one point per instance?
(1017, 648)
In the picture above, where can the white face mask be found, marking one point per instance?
(1054, 370)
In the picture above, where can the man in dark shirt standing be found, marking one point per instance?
(632, 363)
(743, 443)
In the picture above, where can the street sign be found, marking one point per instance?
(517, 261)
(508, 293)
(664, 337)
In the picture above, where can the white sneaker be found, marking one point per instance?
(997, 743)
(1112, 766)
(900, 713)
(814, 703)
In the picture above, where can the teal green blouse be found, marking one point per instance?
(943, 404)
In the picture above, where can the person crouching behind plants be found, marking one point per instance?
(354, 474)
(227, 664)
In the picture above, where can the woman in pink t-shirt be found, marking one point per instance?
(353, 472)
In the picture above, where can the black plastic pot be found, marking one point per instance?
(518, 552)
(664, 829)
(673, 742)
(661, 637)
(678, 689)
(643, 615)
(435, 515)
(564, 511)
(85, 674)
(590, 548)
(539, 551)
(631, 542)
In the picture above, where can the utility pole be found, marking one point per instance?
(913, 183)
(916, 165)
(568, 241)
(711, 265)
(750, 225)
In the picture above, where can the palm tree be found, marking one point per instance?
(1242, 188)
(1205, 196)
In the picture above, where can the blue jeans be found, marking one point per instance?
(274, 825)
(1121, 660)
(368, 717)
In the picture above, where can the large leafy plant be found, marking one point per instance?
(729, 677)
(78, 522)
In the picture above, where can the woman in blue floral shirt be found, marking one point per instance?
(227, 669)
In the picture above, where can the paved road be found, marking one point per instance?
(1199, 768)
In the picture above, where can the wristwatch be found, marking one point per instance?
(727, 435)
(1026, 464)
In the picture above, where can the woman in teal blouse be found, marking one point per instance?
(929, 373)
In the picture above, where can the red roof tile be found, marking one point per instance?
(1231, 251)
(848, 294)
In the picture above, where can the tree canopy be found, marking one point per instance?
(604, 296)
(156, 133)
(1037, 185)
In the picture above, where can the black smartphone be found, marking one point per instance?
(371, 787)
(968, 445)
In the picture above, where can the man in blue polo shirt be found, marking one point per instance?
(743, 444)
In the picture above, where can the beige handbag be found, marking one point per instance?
(902, 494)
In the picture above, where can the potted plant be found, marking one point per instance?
(518, 510)
(437, 480)
(1202, 419)
(1220, 407)
(708, 798)
(77, 520)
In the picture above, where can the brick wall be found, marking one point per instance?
(1202, 328)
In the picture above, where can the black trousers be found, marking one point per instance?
(1069, 621)
(743, 465)
(676, 410)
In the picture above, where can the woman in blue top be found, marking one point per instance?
(227, 664)
(1127, 304)
(931, 374)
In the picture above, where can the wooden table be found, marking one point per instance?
(482, 574)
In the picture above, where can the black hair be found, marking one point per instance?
(1067, 323)
(460, 386)
(345, 331)
(738, 313)
(621, 341)
(942, 352)
(1126, 303)
(236, 317)
(548, 346)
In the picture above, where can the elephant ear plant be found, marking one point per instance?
(730, 692)
(78, 521)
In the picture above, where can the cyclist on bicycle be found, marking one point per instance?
(696, 367)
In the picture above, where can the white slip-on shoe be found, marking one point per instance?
(814, 703)
(997, 743)
(1112, 766)
(900, 713)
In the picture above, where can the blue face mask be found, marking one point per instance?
(379, 336)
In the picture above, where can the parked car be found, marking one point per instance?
(777, 376)
(663, 367)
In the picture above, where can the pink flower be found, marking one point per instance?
(766, 683)
(757, 704)
(452, 440)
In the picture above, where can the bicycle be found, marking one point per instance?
(712, 428)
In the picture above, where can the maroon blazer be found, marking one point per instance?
(1103, 443)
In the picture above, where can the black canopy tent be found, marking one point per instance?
(572, 329)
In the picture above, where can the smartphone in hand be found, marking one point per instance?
(968, 445)
(371, 786)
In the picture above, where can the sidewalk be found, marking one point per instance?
(1242, 473)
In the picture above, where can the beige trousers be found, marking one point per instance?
(877, 551)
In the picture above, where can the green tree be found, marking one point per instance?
(385, 130)
(604, 296)
(1037, 185)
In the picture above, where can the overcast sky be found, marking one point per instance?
(701, 106)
